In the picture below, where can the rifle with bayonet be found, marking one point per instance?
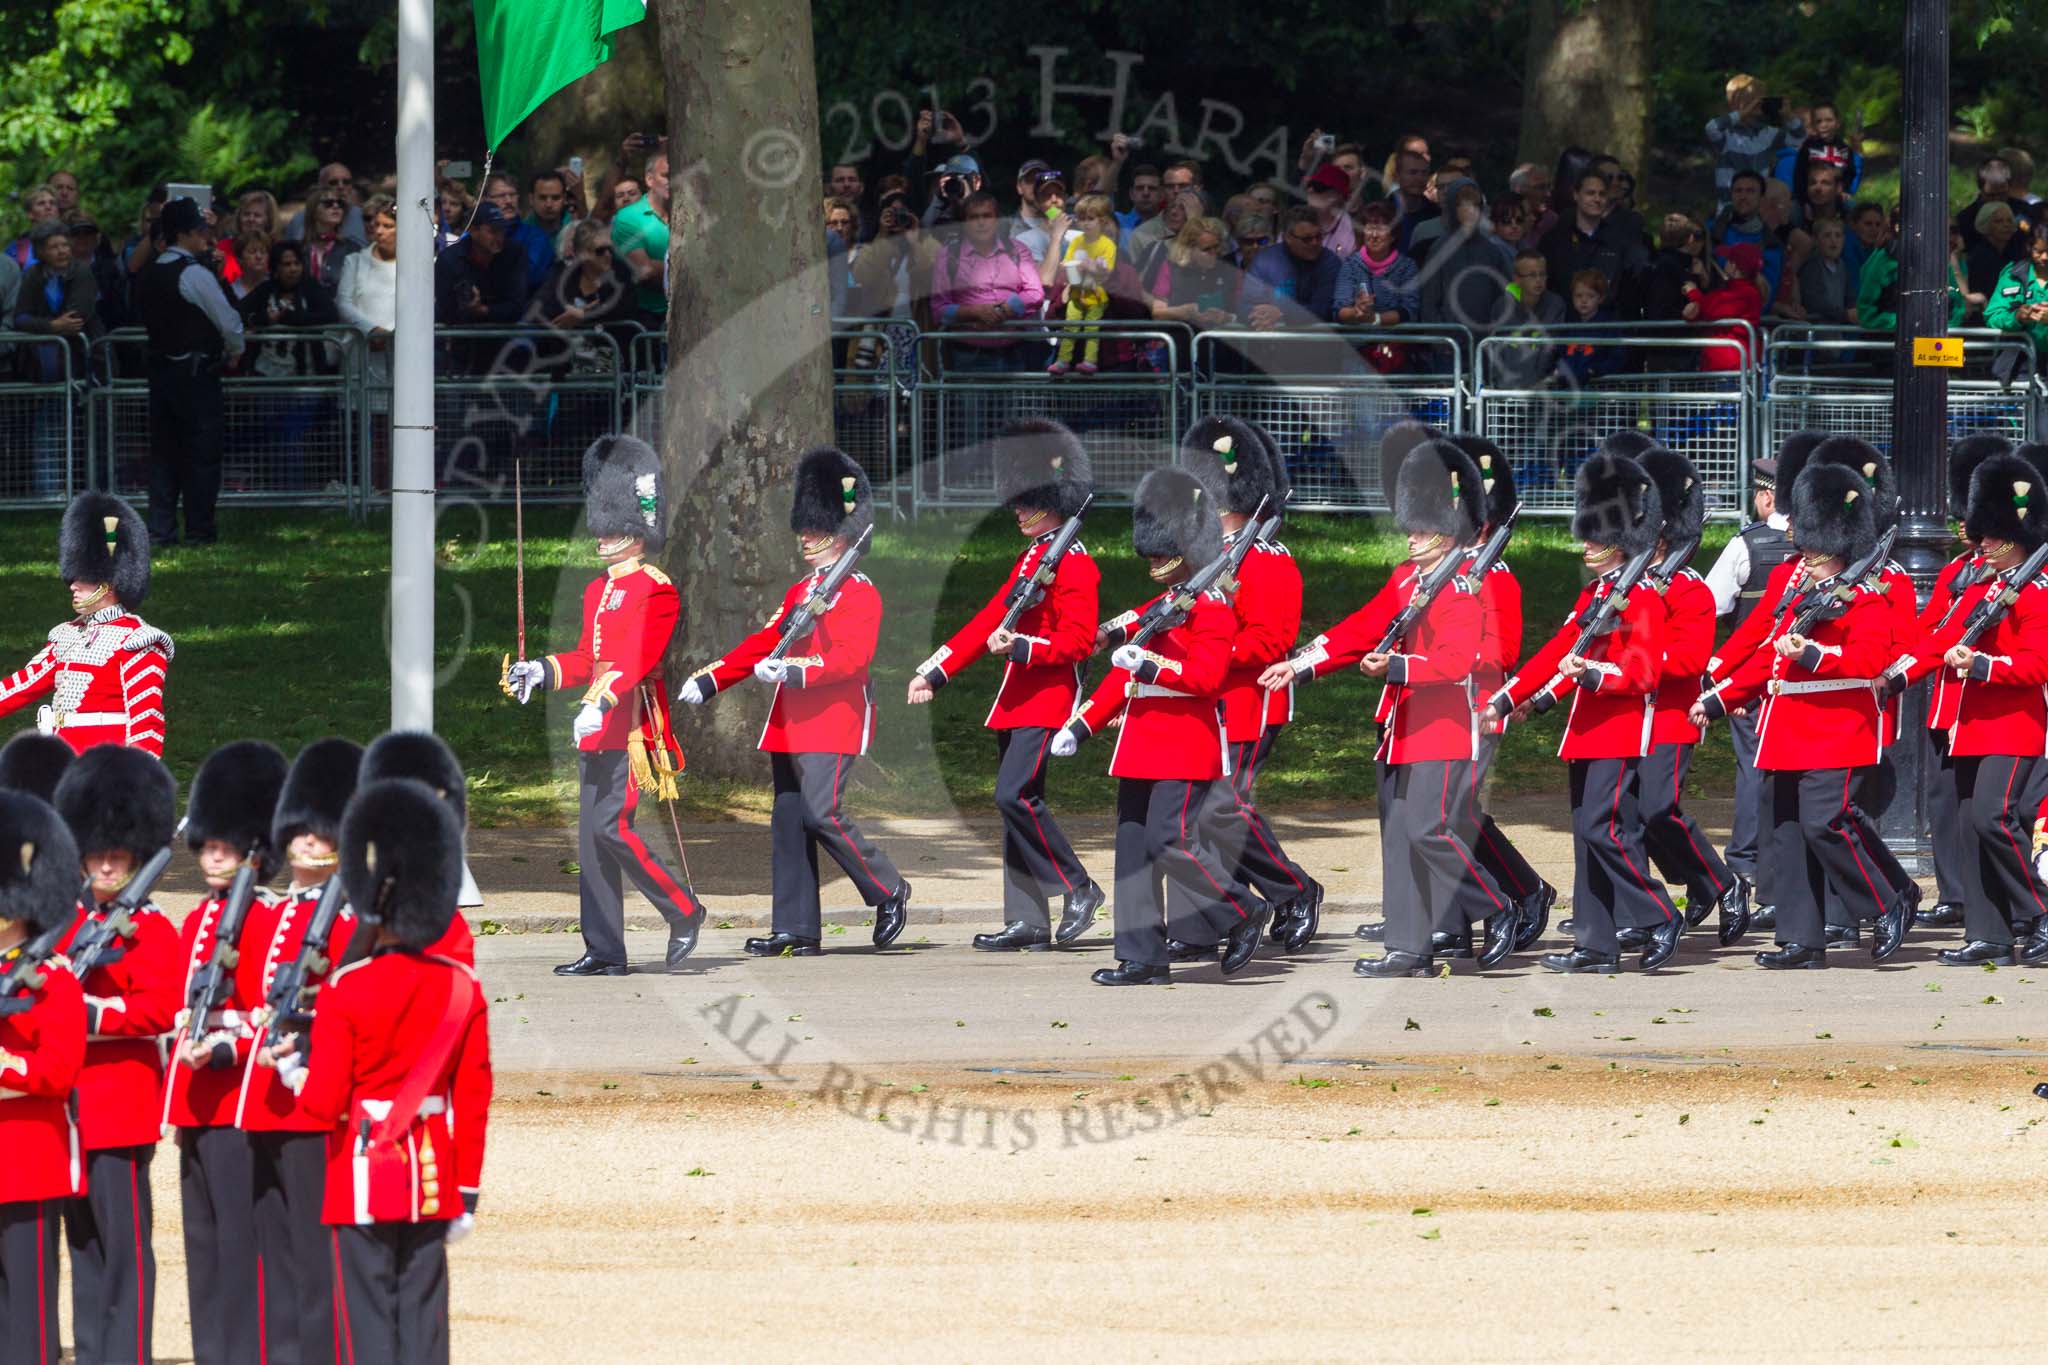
(289, 1006)
(26, 973)
(1831, 595)
(1992, 608)
(1599, 618)
(798, 623)
(1030, 589)
(1440, 576)
(102, 941)
(1172, 608)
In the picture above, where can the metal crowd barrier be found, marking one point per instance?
(38, 424)
(1326, 403)
(1839, 380)
(293, 431)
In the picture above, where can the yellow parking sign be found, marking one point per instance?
(1944, 352)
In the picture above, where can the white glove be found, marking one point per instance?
(525, 676)
(771, 670)
(460, 1228)
(1064, 744)
(1128, 658)
(589, 721)
(693, 693)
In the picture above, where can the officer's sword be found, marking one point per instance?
(647, 702)
(518, 582)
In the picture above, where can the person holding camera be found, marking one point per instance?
(1750, 135)
(192, 330)
(892, 275)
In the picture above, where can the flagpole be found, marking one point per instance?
(412, 378)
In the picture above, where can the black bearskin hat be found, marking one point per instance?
(2008, 501)
(1496, 476)
(114, 797)
(32, 763)
(1866, 459)
(1618, 505)
(103, 540)
(233, 796)
(1963, 458)
(1628, 443)
(1439, 489)
(316, 792)
(1233, 462)
(1395, 443)
(39, 864)
(422, 757)
(1040, 464)
(1172, 514)
(623, 485)
(1283, 482)
(1833, 513)
(1793, 453)
(832, 495)
(401, 859)
(1680, 490)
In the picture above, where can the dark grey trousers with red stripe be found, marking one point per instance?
(610, 850)
(113, 1260)
(2002, 895)
(1496, 852)
(1613, 886)
(1433, 879)
(808, 789)
(391, 1294)
(1819, 841)
(29, 1276)
(217, 1190)
(1237, 828)
(1038, 861)
(1159, 844)
(1674, 840)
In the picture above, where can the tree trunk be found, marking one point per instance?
(590, 116)
(749, 384)
(1588, 81)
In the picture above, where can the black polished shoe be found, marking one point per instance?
(1890, 930)
(2035, 947)
(1450, 945)
(1697, 908)
(1079, 915)
(1395, 964)
(1663, 942)
(1977, 952)
(1940, 915)
(1794, 957)
(1844, 936)
(1015, 937)
(891, 915)
(1132, 974)
(1632, 940)
(1734, 909)
(1568, 925)
(1177, 951)
(1307, 918)
(1763, 917)
(1503, 932)
(1582, 960)
(1283, 920)
(1244, 940)
(782, 945)
(1535, 911)
(591, 966)
(682, 940)
(1374, 932)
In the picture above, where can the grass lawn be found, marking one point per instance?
(280, 633)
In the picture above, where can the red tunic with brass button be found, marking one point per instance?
(1500, 633)
(1688, 643)
(1425, 710)
(629, 615)
(1173, 721)
(1268, 607)
(824, 704)
(1957, 590)
(376, 1017)
(1818, 710)
(1898, 589)
(271, 939)
(2000, 704)
(205, 1098)
(41, 1051)
(1748, 638)
(104, 677)
(1614, 701)
(1041, 674)
(134, 1003)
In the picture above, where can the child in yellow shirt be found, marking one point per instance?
(1094, 251)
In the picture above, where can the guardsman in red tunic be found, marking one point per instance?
(121, 806)
(426, 758)
(42, 1048)
(1607, 733)
(1429, 731)
(103, 670)
(1999, 728)
(822, 716)
(1043, 478)
(1164, 698)
(287, 1143)
(1241, 469)
(400, 1079)
(1819, 723)
(1674, 840)
(625, 747)
(227, 821)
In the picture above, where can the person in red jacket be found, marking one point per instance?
(1674, 840)
(1239, 466)
(120, 805)
(1044, 480)
(1429, 731)
(42, 1048)
(1819, 723)
(2000, 731)
(1170, 752)
(227, 822)
(822, 716)
(1607, 732)
(103, 671)
(400, 1078)
(1737, 298)
(625, 746)
(425, 757)
(285, 1141)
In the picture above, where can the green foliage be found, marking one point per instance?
(240, 147)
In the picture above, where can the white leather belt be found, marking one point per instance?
(379, 1110)
(1153, 690)
(218, 1019)
(12, 1095)
(49, 720)
(1781, 688)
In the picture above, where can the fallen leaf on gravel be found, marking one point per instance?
(1310, 1082)
(1059, 1023)
(1422, 1212)
(1823, 1035)
(1411, 1024)
(1493, 1103)
(1684, 1119)
(1544, 1012)
(696, 1170)
(1433, 1235)
(569, 866)
(1993, 1000)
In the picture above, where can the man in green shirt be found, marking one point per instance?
(2019, 301)
(640, 237)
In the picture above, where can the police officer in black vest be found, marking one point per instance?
(192, 330)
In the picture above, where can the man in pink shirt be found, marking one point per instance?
(982, 281)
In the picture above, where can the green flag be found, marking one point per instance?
(529, 49)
